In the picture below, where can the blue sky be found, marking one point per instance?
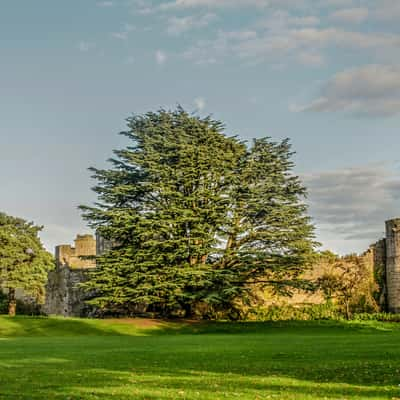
(325, 73)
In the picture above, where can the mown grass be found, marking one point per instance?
(54, 358)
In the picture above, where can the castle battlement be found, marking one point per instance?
(66, 297)
(79, 255)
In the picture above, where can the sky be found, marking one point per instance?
(324, 73)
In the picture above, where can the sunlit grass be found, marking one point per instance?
(55, 358)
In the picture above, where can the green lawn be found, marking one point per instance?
(52, 358)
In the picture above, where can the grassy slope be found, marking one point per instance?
(88, 359)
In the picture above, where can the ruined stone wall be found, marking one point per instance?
(64, 296)
(79, 255)
(393, 265)
(373, 264)
(376, 258)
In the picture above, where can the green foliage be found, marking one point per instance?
(287, 312)
(196, 217)
(350, 283)
(3, 303)
(23, 307)
(384, 317)
(24, 263)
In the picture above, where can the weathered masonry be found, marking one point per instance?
(63, 294)
(393, 265)
(385, 258)
(65, 297)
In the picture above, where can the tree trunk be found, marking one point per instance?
(348, 314)
(12, 302)
(188, 310)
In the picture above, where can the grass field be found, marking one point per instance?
(52, 358)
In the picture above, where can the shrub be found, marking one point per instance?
(23, 307)
(3, 303)
(384, 317)
(299, 313)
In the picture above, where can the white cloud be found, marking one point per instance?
(386, 9)
(131, 60)
(336, 3)
(179, 4)
(352, 204)
(161, 57)
(372, 90)
(308, 20)
(289, 43)
(105, 4)
(178, 25)
(282, 20)
(200, 103)
(84, 47)
(124, 32)
(148, 6)
(120, 35)
(351, 15)
(311, 59)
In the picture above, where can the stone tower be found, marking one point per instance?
(64, 296)
(74, 257)
(393, 264)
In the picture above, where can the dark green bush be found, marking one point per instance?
(23, 307)
(3, 303)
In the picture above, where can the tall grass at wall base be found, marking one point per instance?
(382, 317)
(315, 312)
(288, 312)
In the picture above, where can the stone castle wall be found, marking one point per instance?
(393, 265)
(376, 258)
(80, 256)
(64, 296)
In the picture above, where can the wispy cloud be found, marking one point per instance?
(289, 43)
(311, 59)
(353, 203)
(105, 3)
(372, 90)
(161, 57)
(281, 20)
(200, 103)
(351, 15)
(149, 7)
(84, 46)
(181, 4)
(178, 25)
(124, 32)
(131, 60)
(386, 9)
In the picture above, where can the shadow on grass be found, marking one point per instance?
(87, 383)
(22, 326)
(58, 326)
(128, 359)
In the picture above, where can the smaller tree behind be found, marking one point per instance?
(350, 283)
(24, 263)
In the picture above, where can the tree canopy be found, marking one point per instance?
(24, 263)
(196, 218)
